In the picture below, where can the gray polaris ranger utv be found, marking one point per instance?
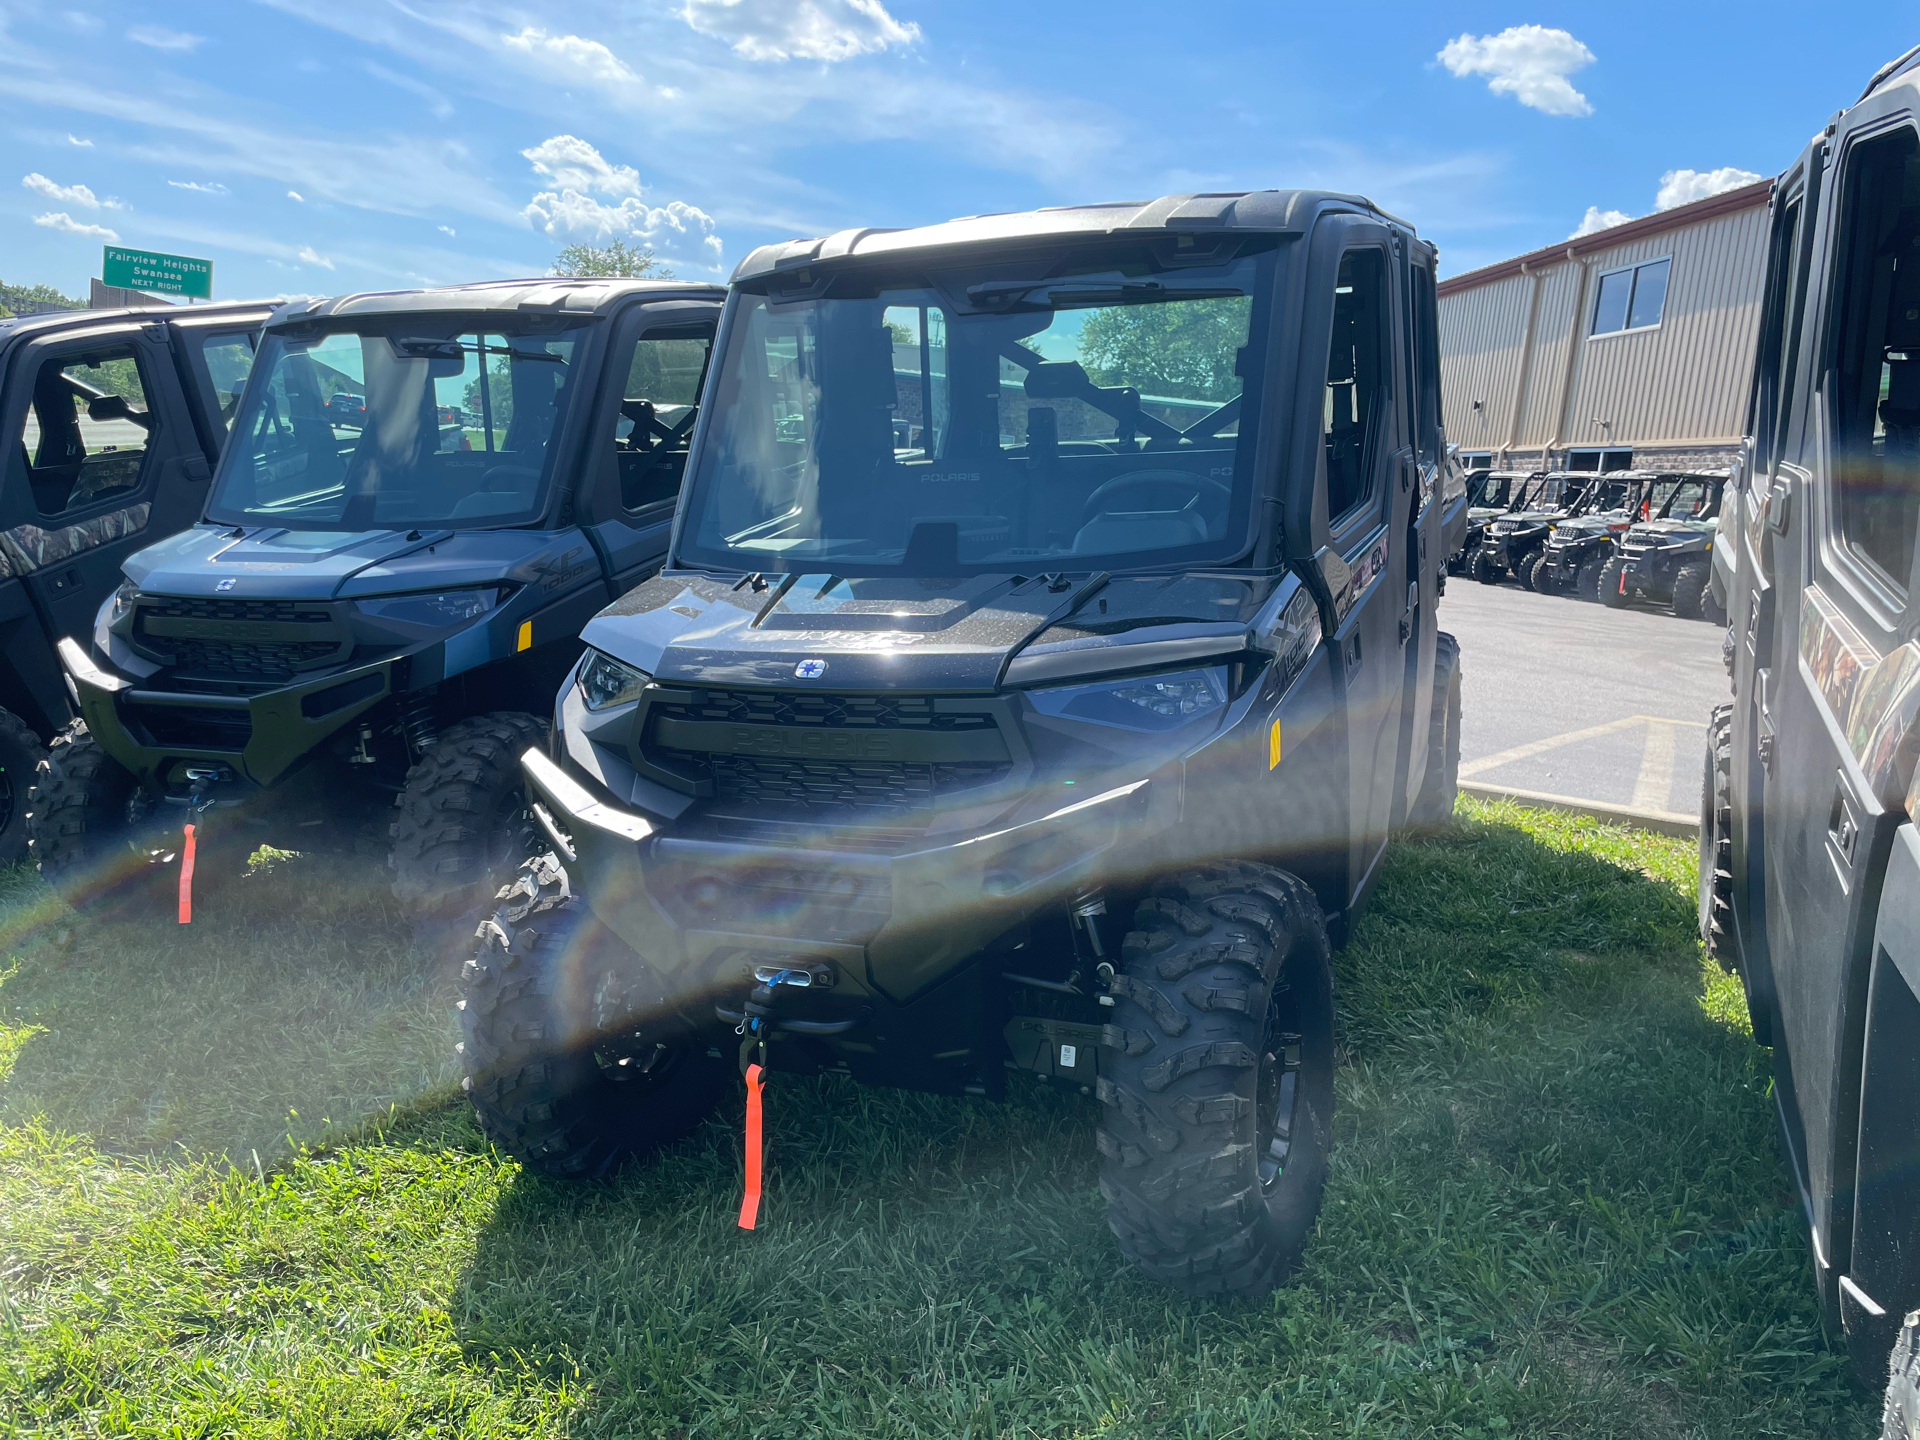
(110, 424)
(1809, 853)
(1047, 651)
(427, 494)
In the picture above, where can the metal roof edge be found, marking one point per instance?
(1725, 203)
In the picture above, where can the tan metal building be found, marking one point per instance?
(1630, 346)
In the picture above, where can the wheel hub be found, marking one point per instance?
(1278, 1086)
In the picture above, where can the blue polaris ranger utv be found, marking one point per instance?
(426, 496)
(1048, 647)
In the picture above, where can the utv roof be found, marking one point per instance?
(48, 321)
(540, 295)
(1266, 212)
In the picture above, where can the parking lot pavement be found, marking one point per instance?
(1569, 698)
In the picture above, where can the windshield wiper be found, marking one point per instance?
(454, 349)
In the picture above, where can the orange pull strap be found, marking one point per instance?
(186, 879)
(750, 1202)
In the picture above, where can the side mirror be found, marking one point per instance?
(1057, 380)
(108, 407)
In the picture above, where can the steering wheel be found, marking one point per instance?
(1196, 486)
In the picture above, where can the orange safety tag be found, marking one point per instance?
(186, 879)
(750, 1202)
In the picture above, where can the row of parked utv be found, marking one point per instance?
(1622, 537)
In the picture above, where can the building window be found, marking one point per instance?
(1631, 299)
(1600, 460)
(1476, 460)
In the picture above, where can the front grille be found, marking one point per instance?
(805, 708)
(253, 661)
(827, 789)
(837, 789)
(239, 660)
(200, 729)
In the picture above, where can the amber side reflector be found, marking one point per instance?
(1273, 745)
(526, 636)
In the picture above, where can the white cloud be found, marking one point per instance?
(676, 227)
(207, 188)
(157, 38)
(444, 229)
(307, 255)
(572, 55)
(827, 30)
(76, 140)
(60, 220)
(1682, 187)
(1597, 219)
(65, 194)
(1529, 62)
(573, 164)
(86, 24)
(296, 195)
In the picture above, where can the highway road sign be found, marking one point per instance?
(156, 273)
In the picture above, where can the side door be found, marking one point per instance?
(102, 459)
(643, 420)
(1425, 546)
(1846, 678)
(1363, 481)
(1774, 432)
(214, 362)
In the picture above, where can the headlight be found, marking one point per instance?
(441, 609)
(119, 603)
(1150, 702)
(606, 682)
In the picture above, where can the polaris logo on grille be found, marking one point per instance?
(809, 669)
(226, 585)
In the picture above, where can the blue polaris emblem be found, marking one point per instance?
(809, 669)
(227, 584)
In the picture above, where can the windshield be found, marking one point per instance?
(1060, 417)
(421, 423)
(1692, 499)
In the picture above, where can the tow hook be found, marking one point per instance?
(760, 1017)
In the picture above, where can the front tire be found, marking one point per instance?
(1218, 1093)
(464, 827)
(88, 828)
(1716, 840)
(20, 757)
(1690, 589)
(1432, 808)
(1587, 584)
(1613, 578)
(1485, 571)
(1900, 1417)
(573, 1058)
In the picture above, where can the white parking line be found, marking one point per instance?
(1654, 723)
(1653, 788)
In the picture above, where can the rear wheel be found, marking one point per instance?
(20, 757)
(1690, 589)
(572, 1056)
(464, 827)
(91, 830)
(1587, 583)
(1218, 1094)
(1433, 808)
(1613, 579)
(1485, 571)
(1716, 840)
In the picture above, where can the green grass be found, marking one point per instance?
(239, 1195)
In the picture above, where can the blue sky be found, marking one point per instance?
(315, 146)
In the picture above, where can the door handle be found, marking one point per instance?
(1842, 828)
(1353, 652)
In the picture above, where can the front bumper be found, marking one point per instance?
(155, 733)
(894, 919)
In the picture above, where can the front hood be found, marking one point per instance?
(1584, 528)
(881, 632)
(324, 565)
(1668, 532)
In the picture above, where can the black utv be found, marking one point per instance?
(110, 424)
(392, 583)
(1515, 543)
(1809, 856)
(1490, 493)
(1579, 547)
(1065, 737)
(1667, 556)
